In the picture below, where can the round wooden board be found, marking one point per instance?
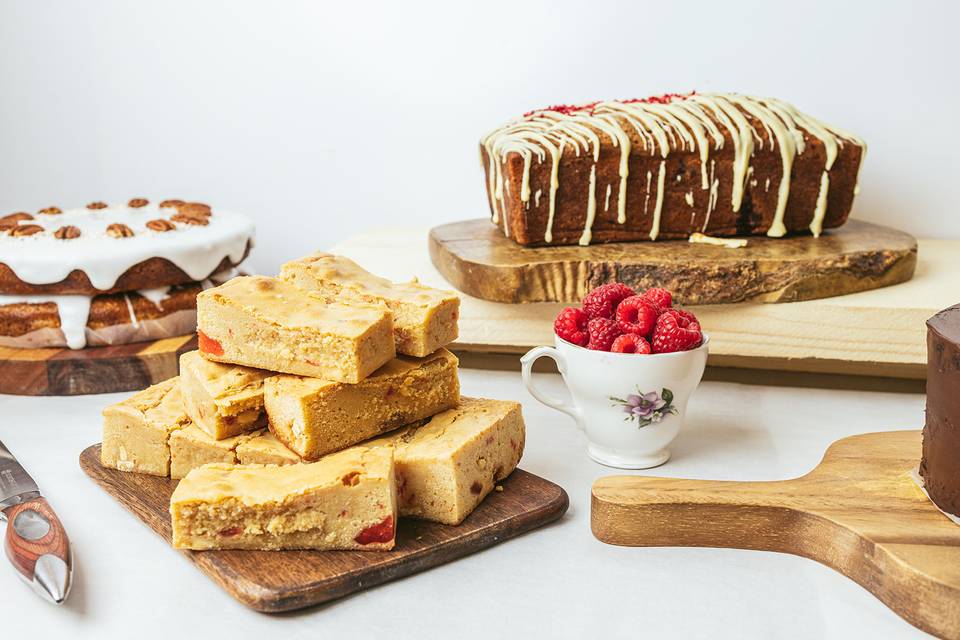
(70, 372)
(476, 258)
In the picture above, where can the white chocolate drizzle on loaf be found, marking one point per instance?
(693, 122)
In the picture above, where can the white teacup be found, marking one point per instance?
(631, 406)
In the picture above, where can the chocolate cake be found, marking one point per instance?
(940, 465)
(112, 273)
(666, 168)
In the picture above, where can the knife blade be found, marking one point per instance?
(36, 543)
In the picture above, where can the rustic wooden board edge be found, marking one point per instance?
(263, 600)
(808, 372)
(664, 512)
(93, 370)
(751, 275)
(719, 373)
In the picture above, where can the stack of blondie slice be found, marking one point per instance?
(320, 406)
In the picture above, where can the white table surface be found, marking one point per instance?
(555, 582)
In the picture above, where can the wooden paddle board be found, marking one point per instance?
(859, 512)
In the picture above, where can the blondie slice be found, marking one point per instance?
(270, 324)
(136, 431)
(345, 501)
(224, 400)
(314, 417)
(424, 319)
(265, 449)
(192, 447)
(445, 466)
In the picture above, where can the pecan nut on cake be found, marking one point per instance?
(668, 167)
(112, 273)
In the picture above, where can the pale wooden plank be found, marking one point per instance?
(881, 332)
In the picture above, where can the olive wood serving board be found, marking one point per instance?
(274, 581)
(871, 336)
(476, 258)
(859, 512)
(70, 372)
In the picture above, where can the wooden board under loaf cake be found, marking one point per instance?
(346, 501)
(314, 417)
(267, 323)
(424, 318)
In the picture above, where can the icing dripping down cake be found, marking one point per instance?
(668, 167)
(108, 274)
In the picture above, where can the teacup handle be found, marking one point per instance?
(527, 372)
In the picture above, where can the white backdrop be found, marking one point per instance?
(321, 120)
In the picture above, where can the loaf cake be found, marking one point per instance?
(668, 167)
(940, 465)
(108, 274)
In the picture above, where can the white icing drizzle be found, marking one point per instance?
(73, 310)
(696, 123)
(587, 234)
(729, 243)
(689, 198)
(776, 129)
(131, 312)
(646, 198)
(197, 250)
(156, 296)
(606, 201)
(712, 198)
(655, 229)
(766, 185)
(536, 198)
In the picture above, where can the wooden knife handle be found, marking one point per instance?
(33, 530)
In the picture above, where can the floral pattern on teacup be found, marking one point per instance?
(646, 408)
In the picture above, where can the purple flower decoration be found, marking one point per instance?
(642, 406)
(646, 408)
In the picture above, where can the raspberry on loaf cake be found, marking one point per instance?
(668, 167)
(108, 274)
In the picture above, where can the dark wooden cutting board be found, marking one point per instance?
(70, 372)
(476, 258)
(859, 512)
(273, 581)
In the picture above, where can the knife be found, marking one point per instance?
(36, 543)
